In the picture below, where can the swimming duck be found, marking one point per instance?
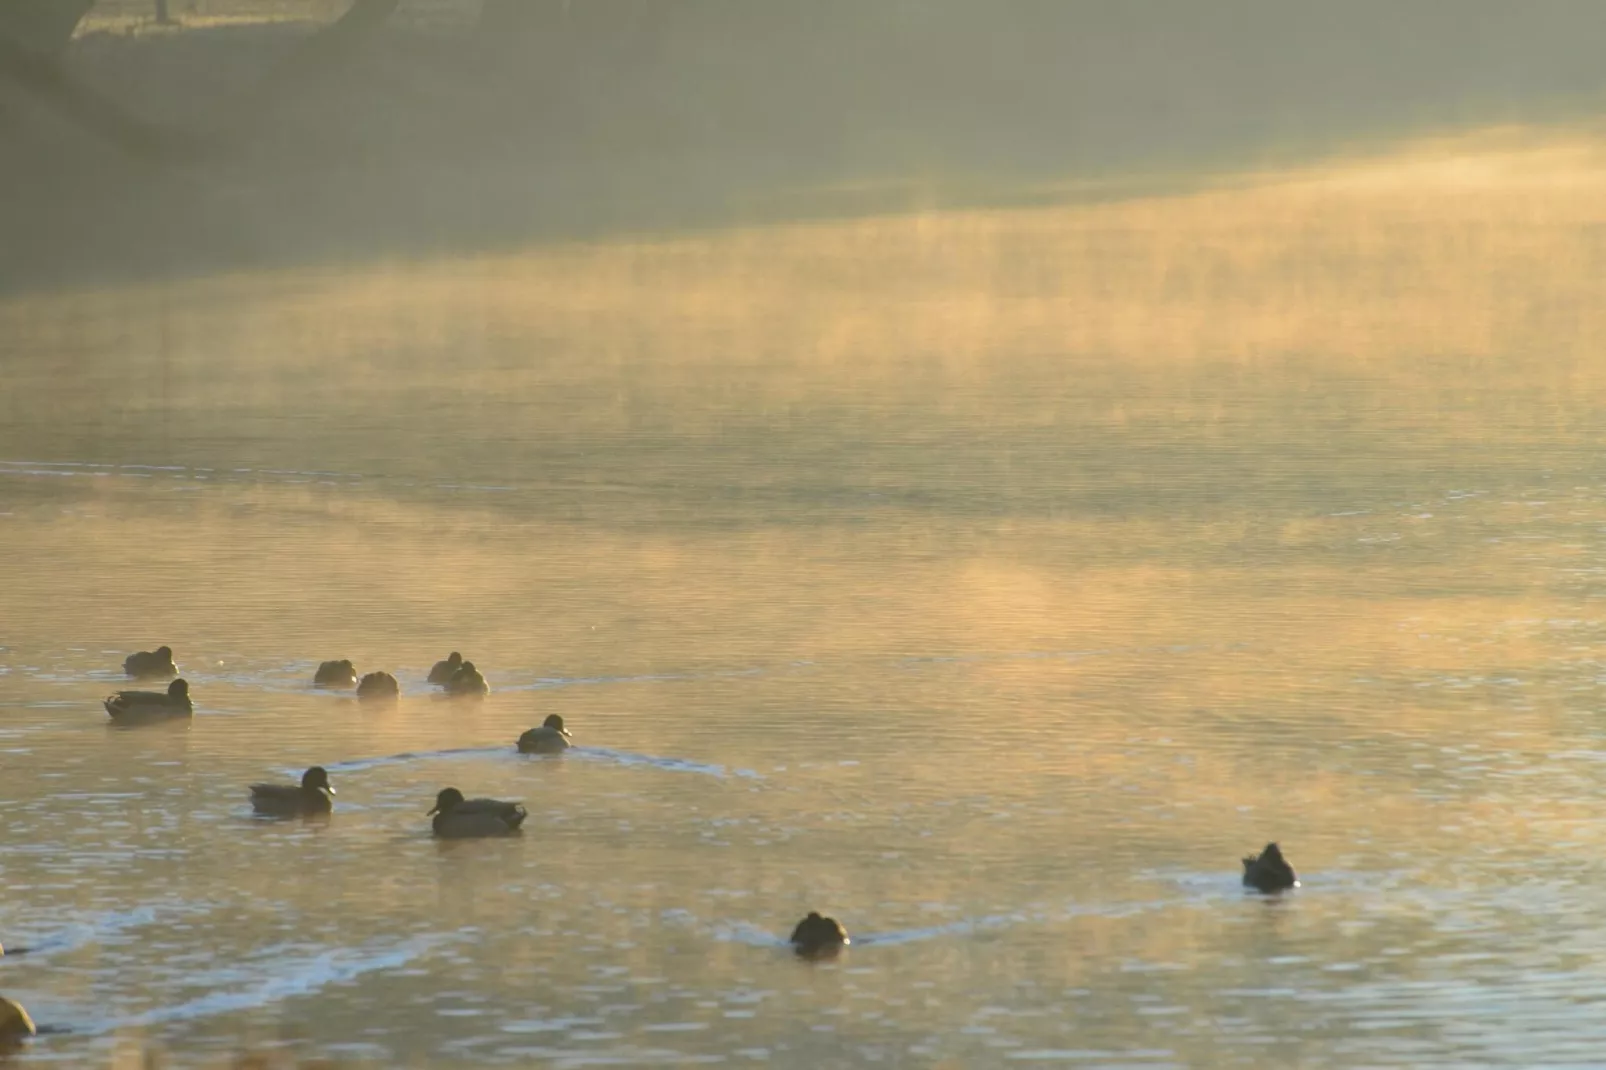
(550, 738)
(15, 1025)
(376, 686)
(311, 796)
(335, 674)
(1269, 871)
(443, 670)
(134, 705)
(460, 818)
(151, 664)
(467, 681)
(817, 936)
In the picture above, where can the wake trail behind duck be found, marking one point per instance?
(359, 764)
(672, 765)
(285, 979)
(751, 935)
(625, 759)
(106, 926)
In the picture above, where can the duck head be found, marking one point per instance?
(316, 779)
(454, 659)
(178, 689)
(555, 722)
(446, 801)
(164, 652)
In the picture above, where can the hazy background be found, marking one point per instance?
(623, 115)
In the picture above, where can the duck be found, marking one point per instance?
(444, 670)
(458, 818)
(550, 738)
(151, 664)
(376, 686)
(311, 796)
(1269, 871)
(467, 681)
(135, 705)
(817, 936)
(335, 674)
(15, 1025)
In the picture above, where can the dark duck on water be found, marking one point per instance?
(457, 818)
(378, 687)
(335, 674)
(151, 705)
(311, 796)
(443, 670)
(467, 681)
(550, 737)
(151, 664)
(817, 936)
(1269, 871)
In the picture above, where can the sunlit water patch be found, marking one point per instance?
(991, 582)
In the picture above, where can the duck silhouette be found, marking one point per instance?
(311, 796)
(335, 674)
(467, 681)
(549, 738)
(817, 936)
(151, 705)
(376, 686)
(443, 670)
(1269, 871)
(457, 818)
(151, 664)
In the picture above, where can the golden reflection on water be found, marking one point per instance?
(1003, 575)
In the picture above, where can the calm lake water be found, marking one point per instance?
(991, 581)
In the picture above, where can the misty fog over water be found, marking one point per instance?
(974, 470)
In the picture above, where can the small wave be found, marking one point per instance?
(595, 754)
(359, 764)
(547, 683)
(741, 932)
(232, 475)
(673, 765)
(988, 923)
(751, 935)
(98, 928)
(286, 979)
(993, 657)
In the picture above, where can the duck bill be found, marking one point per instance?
(432, 811)
(328, 789)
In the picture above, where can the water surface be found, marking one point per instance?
(990, 581)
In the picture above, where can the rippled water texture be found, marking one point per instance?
(989, 580)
